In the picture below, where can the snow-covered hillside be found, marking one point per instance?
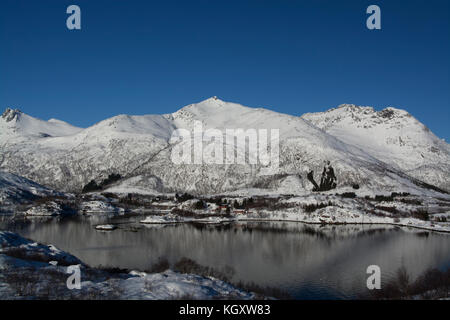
(139, 148)
(391, 135)
(16, 124)
(15, 189)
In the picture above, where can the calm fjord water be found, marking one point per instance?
(307, 261)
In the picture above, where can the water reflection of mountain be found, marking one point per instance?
(310, 261)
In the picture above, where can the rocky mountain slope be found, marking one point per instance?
(391, 135)
(141, 150)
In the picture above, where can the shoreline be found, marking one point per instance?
(347, 223)
(296, 221)
(246, 219)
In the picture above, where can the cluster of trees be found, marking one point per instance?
(200, 204)
(244, 204)
(93, 186)
(183, 197)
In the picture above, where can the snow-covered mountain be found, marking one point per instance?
(391, 135)
(139, 148)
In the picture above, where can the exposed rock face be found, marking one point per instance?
(328, 181)
(9, 114)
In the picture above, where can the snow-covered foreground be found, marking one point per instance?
(30, 270)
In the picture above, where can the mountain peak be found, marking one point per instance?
(11, 114)
(389, 112)
(18, 123)
(204, 104)
(346, 105)
(366, 111)
(362, 116)
(351, 107)
(212, 101)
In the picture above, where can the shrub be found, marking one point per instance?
(376, 213)
(183, 197)
(348, 195)
(260, 203)
(160, 266)
(421, 214)
(432, 279)
(313, 207)
(432, 284)
(186, 265)
(113, 177)
(264, 291)
(110, 195)
(113, 270)
(183, 213)
(411, 201)
(383, 198)
(199, 205)
(396, 194)
(91, 186)
(237, 205)
(387, 209)
(403, 281)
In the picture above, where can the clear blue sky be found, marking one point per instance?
(141, 57)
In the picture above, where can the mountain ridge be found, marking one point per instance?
(391, 135)
(66, 158)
